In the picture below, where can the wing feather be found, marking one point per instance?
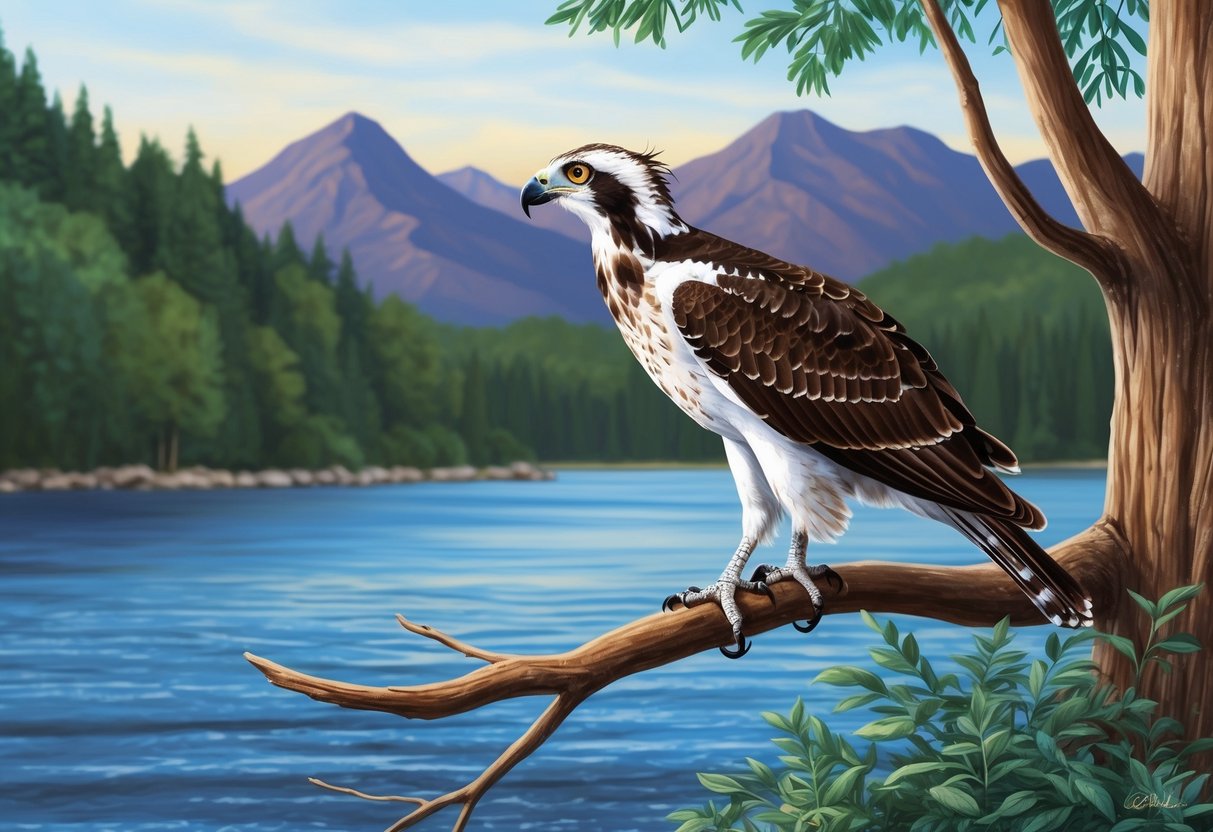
(823, 365)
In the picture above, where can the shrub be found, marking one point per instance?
(1008, 744)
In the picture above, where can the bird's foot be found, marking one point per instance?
(723, 592)
(803, 575)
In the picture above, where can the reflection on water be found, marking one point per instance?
(125, 703)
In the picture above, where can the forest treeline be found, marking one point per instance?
(144, 320)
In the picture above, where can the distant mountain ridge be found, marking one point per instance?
(810, 192)
(797, 186)
(411, 235)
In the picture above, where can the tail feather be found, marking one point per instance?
(1050, 587)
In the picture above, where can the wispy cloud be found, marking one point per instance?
(476, 82)
(394, 45)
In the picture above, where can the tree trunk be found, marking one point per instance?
(161, 457)
(1160, 465)
(174, 444)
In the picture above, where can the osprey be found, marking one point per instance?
(819, 395)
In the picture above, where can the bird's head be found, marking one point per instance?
(614, 191)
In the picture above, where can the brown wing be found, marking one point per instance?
(823, 365)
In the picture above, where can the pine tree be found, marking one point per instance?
(80, 174)
(150, 191)
(54, 182)
(319, 266)
(474, 417)
(110, 181)
(359, 404)
(286, 248)
(8, 106)
(194, 255)
(31, 129)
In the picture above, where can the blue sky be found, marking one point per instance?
(480, 83)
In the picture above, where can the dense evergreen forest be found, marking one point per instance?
(143, 320)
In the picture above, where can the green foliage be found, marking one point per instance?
(823, 36)
(166, 349)
(312, 367)
(1008, 743)
(59, 273)
(649, 19)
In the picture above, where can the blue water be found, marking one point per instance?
(125, 703)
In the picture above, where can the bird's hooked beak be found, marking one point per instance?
(544, 187)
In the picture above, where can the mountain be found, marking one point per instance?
(483, 189)
(808, 191)
(411, 235)
(795, 185)
(847, 203)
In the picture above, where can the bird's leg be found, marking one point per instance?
(723, 592)
(796, 569)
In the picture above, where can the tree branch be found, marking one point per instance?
(969, 595)
(1106, 194)
(1095, 254)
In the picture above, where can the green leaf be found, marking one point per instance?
(956, 800)
(847, 676)
(1146, 604)
(1049, 821)
(1053, 647)
(1179, 594)
(1122, 644)
(1197, 747)
(1036, 678)
(931, 766)
(1048, 747)
(889, 728)
(1167, 616)
(859, 700)
(843, 784)
(1016, 803)
(1097, 796)
(1179, 643)
(720, 783)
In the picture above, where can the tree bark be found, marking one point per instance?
(1160, 466)
(1160, 462)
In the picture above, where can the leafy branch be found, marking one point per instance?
(1008, 744)
(823, 36)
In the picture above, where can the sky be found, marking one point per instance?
(481, 83)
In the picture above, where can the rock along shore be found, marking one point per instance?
(144, 478)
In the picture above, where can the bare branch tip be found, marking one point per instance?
(417, 801)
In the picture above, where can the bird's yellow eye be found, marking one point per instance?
(578, 173)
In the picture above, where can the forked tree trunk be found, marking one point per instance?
(1150, 247)
(1160, 465)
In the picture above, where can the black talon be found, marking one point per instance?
(766, 590)
(668, 604)
(833, 577)
(740, 649)
(760, 573)
(810, 625)
(692, 589)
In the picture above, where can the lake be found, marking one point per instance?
(125, 703)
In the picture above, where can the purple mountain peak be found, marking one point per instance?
(412, 235)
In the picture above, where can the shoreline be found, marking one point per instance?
(200, 478)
